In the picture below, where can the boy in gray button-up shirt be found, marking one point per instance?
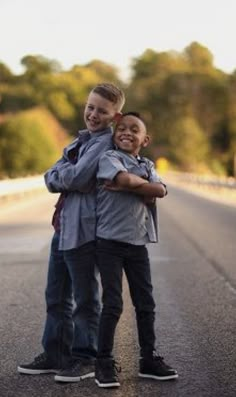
(71, 269)
(126, 220)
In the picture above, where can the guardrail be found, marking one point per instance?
(10, 188)
(220, 189)
(203, 180)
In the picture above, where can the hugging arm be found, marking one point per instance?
(116, 177)
(138, 185)
(51, 177)
(80, 177)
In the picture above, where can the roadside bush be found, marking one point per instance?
(30, 142)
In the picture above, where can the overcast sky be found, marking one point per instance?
(78, 31)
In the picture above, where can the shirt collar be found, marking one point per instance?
(93, 135)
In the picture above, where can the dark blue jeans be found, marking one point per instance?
(112, 258)
(73, 305)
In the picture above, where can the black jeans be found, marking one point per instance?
(112, 258)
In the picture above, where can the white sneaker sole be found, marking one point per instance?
(27, 371)
(170, 377)
(104, 385)
(60, 378)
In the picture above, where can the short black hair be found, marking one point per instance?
(132, 113)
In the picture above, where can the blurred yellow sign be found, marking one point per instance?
(162, 165)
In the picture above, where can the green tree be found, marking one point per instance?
(16, 97)
(37, 64)
(5, 73)
(157, 64)
(105, 71)
(30, 142)
(229, 132)
(199, 57)
(188, 144)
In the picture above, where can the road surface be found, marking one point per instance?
(194, 278)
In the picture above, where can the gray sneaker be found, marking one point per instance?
(78, 370)
(40, 365)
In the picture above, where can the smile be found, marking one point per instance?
(126, 140)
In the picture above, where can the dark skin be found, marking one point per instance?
(131, 136)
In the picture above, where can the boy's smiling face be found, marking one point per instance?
(99, 112)
(130, 134)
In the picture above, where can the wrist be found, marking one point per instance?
(165, 189)
(144, 182)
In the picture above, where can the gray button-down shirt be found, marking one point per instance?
(78, 216)
(123, 216)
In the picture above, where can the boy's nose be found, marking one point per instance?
(127, 132)
(94, 113)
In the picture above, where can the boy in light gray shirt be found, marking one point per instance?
(126, 222)
(70, 331)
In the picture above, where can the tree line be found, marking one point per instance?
(189, 106)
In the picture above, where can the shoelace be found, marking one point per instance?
(161, 361)
(40, 358)
(75, 364)
(117, 366)
(158, 358)
(155, 356)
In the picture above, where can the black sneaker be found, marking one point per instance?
(156, 368)
(40, 365)
(76, 371)
(106, 372)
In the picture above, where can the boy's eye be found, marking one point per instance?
(134, 130)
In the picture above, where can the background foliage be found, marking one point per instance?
(189, 106)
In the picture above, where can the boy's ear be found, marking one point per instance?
(117, 117)
(146, 141)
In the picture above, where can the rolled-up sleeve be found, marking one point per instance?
(109, 166)
(81, 176)
(51, 177)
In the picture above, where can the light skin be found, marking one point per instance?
(99, 113)
(131, 136)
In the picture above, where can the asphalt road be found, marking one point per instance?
(194, 278)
